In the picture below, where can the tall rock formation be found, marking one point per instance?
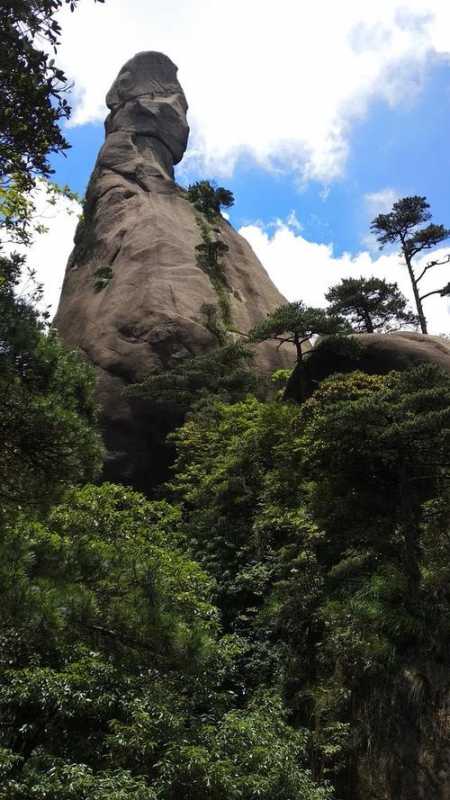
(136, 296)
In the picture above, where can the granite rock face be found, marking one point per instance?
(135, 298)
(405, 349)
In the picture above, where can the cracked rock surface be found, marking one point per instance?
(134, 293)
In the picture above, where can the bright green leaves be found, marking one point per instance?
(49, 778)
(117, 581)
(251, 753)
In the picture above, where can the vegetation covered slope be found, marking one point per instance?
(274, 625)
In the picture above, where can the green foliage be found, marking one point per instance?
(296, 323)
(102, 278)
(214, 323)
(48, 778)
(374, 449)
(20, 322)
(119, 584)
(47, 432)
(32, 89)
(402, 226)
(244, 496)
(19, 217)
(224, 473)
(404, 220)
(330, 355)
(115, 681)
(280, 378)
(33, 102)
(209, 259)
(208, 198)
(209, 255)
(370, 304)
(320, 536)
(396, 430)
(112, 677)
(100, 612)
(252, 753)
(16, 211)
(327, 533)
(223, 372)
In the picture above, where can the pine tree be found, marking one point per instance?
(370, 304)
(402, 225)
(296, 323)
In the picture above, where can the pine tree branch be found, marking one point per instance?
(432, 264)
(436, 291)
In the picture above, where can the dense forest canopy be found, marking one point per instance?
(273, 622)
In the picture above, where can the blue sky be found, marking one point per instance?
(317, 118)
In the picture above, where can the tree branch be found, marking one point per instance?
(281, 341)
(436, 291)
(241, 333)
(432, 264)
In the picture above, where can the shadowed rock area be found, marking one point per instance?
(135, 297)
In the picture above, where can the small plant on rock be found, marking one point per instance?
(102, 277)
(208, 198)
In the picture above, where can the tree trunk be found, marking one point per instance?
(298, 347)
(421, 315)
(367, 320)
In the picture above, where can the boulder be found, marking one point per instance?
(373, 353)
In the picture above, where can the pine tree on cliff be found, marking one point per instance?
(208, 198)
(296, 323)
(402, 225)
(370, 304)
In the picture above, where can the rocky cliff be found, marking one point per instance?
(136, 296)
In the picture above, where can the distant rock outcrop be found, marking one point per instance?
(136, 297)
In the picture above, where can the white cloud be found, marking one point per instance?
(382, 201)
(282, 82)
(377, 203)
(305, 270)
(293, 221)
(49, 252)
